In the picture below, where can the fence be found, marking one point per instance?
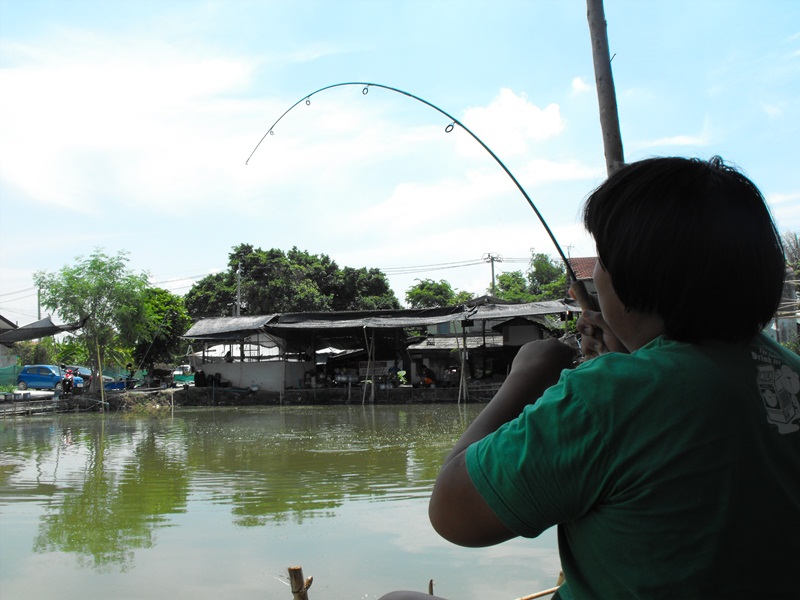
(8, 375)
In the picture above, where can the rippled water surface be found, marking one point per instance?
(217, 503)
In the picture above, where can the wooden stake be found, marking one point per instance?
(606, 96)
(546, 592)
(298, 585)
(540, 594)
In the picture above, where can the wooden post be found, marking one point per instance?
(606, 96)
(298, 584)
(100, 376)
(609, 117)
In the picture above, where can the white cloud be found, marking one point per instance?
(579, 86)
(131, 119)
(676, 140)
(702, 138)
(510, 123)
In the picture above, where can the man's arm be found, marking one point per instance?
(457, 511)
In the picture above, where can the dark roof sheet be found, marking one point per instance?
(236, 328)
(373, 318)
(507, 311)
(228, 328)
(39, 329)
(437, 343)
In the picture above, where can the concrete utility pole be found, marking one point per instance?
(604, 80)
(492, 258)
(239, 290)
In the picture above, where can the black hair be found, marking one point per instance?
(692, 241)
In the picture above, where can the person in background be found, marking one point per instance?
(428, 377)
(670, 459)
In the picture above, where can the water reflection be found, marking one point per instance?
(105, 484)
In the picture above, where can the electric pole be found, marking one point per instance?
(491, 257)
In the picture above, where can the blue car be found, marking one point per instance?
(45, 377)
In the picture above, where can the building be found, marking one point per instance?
(341, 349)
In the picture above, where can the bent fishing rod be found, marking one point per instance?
(453, 122)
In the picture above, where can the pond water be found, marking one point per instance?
(218, 503)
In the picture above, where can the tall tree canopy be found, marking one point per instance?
(271, 281)
(102, 288)
(545, 279)
(429, 294)
(159, 337)
(513, 286)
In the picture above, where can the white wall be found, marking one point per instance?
(267, 375)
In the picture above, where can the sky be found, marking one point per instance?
(125, 126)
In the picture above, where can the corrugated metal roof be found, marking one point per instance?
(508, 311)
(227, 328)
(375, 318)
(236, 328)
(434, 343)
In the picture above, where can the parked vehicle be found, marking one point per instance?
(83, 372)
(45, 377)
(183, 376)
(67, 383)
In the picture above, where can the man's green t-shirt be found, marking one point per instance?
(672, 472)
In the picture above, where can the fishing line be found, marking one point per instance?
(453, 122)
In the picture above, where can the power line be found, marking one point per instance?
(403, 270)
(19, 292)
(424, 268)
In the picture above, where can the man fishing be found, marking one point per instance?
(669, 460)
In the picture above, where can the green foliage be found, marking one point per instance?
(30, 353)
(793, 345)
(212, 296)
(159, 338)
(274, 282)
(429, 294)
(51, 351)
(513, 286)
(545, 279)
(102, 289)
(462, 298)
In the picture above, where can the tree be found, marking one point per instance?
(363, 289)
(212, 296)
(166, 320)
(103, 290)
(513, 287)
(429, 294)
(271, 281)
(547, 277)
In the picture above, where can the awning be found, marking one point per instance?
(374, 318)
(529, 309)
(42, 328)
(228, 328)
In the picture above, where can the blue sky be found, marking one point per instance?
(125, 125)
